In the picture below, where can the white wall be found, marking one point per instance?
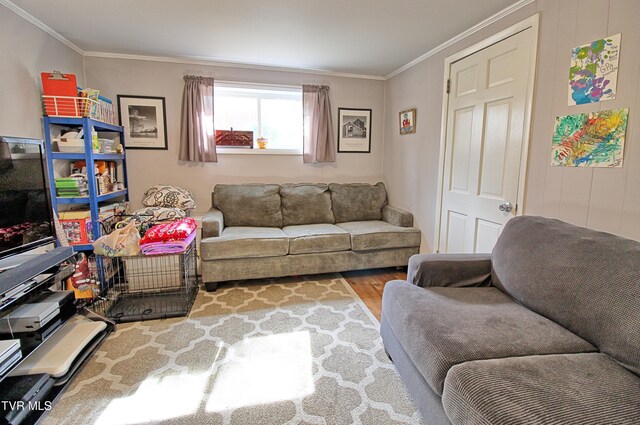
(149, 167)
(604, 199)
(27, 51)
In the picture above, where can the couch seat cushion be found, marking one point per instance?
(245, 242)
(557, 389)
(376, 234)
(309, 238)
(306, 203)
(442, 327)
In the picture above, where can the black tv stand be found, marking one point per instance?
(28, 282)
(33, 267)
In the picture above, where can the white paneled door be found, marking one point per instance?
(486, 117)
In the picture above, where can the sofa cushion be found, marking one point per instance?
(245, 242)
(557, 389)
(376, 234)
(309, 238)
(306, 204)
(249, 204)
(357, 201)
(442, 327)
(567, 273)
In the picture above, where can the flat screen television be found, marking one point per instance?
(25, 206)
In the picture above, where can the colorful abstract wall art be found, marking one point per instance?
(593, 73)
(595, 139)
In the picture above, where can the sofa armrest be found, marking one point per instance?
(396, 216)
(212, 223)
(450, 270)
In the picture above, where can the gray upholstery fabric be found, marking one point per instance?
(309, 238)
(442, 327)
(288, 265)
(428, 402)
(587, 281)
(255, 205)
(579, 389)
(396, 216)
(450, 270)
(212, 223)
(375, 234)
(357, 201)
(245, 242)
(246, 250)
(306, 204)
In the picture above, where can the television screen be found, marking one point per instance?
(25, 209)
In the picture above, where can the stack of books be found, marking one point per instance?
(70, 187)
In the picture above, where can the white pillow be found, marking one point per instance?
(169, 196)
(158, 214)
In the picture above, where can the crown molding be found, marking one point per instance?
(490, 20)
(197, 60)
(38, 23)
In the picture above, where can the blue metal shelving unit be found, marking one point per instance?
(88, 125)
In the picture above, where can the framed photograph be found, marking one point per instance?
(144, 119)
(408, 121)
(354, 130)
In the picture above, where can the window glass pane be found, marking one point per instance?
(281, 123)
(272, 112)
(239, 113)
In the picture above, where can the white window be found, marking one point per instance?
(270, 112)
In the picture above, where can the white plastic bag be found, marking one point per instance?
(123, 242)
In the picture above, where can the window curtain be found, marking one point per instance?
(197, 140)
(319, 143)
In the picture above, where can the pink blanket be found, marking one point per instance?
(169, 232)
(169, 247)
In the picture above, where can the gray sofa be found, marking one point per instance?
(545, 330)
(267, 230)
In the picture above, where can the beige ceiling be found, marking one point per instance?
(369, 37)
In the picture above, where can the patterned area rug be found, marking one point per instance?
(282, 351)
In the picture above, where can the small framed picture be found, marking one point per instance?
(144, 120)
(408, 121)
(354, 130)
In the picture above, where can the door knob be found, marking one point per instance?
(506, 207)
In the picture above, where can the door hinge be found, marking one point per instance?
(448, 86)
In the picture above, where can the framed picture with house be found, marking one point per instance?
(354, 130)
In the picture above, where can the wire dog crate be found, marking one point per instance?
(147, 287)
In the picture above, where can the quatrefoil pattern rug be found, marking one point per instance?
(274, 351)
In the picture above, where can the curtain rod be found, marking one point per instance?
(244, 83)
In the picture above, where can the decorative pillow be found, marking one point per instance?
(159, 214)
(255, 205)
(357, 201)
(306, 204)
(166, 195)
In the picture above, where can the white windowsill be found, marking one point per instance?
(246, 151)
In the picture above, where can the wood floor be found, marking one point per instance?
(369, 284)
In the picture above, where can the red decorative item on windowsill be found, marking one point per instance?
(236, 139)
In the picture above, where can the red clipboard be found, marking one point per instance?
(57, 84)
